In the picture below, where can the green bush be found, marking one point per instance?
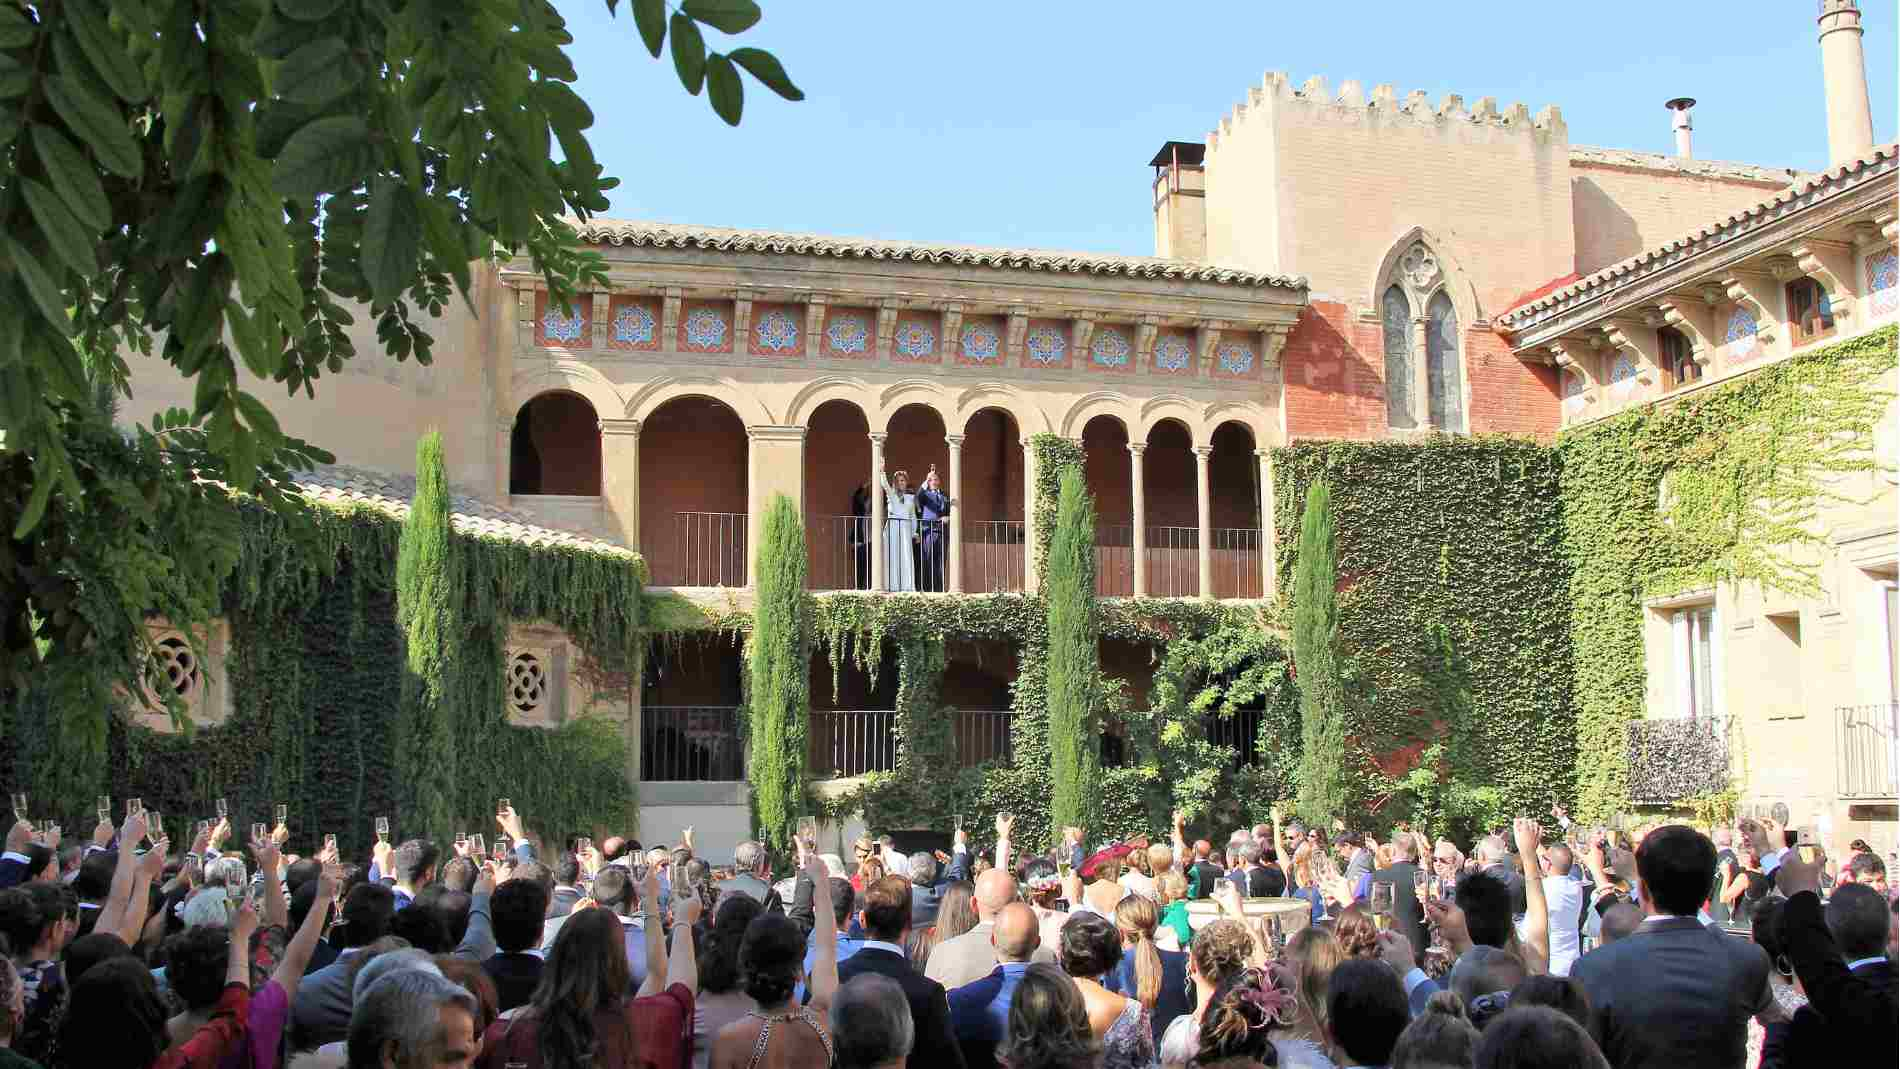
(778, 665)
(429, 605)
(1074, 668)
(1322, 774)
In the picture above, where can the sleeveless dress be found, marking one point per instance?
(1130, 1042)
(765, 1033)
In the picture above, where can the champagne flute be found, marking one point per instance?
(461, 840)
(1421, 882)
(260, 831)
(1382, 905)
(283, 815)
(478, 847)
(382, 829)
(105, 809)
(329, 841)
(154, 826)
(19, 807)
(224, 810)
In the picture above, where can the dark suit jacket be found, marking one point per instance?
(12, 870)
(1675, 995)
(1203, 874)
(515, 976)
(320, 1012)
(935, 1046)
(1856, 1008)
(978, 1033)
(1408, 915)
(321, 955)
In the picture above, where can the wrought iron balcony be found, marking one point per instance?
(1865, 750)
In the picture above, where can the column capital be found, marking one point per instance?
(953, 439)
(1137, 448)
(1203, 451)
(630, 427)
(877, 437)
(1263, 454)
(774, 433)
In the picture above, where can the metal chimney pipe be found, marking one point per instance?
(1683, 126)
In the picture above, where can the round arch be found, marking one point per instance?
(900, 395)
(1030, 418)
(1096, 404)
(569, 376)
(825, 389)
(1170, 406)
(1247, 414)
(554, 446)
(693, 516)
(744, 403)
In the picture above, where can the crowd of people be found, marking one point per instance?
(1283, 946)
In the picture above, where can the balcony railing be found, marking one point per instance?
(851, 742)
(1114, 560)
(993, 556)
(1174, 562)
(1866, 750)
(1237, 562)
(1672, 758)
(840, 552)
(698, 743)
(709, 549)
(1239, 733)
(983, 735)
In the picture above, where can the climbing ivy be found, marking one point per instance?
(778, 659)
(1720, 487)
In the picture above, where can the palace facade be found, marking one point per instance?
(1330, 263)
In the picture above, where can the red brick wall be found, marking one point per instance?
(992, 468)
(1335, 380)
(692, 459)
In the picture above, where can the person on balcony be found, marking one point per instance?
(900, 533)
(860, 537)
(934, 506)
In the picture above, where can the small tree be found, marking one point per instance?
(778, 662)
(1322, 775)
(430, 613)
(1074, 665)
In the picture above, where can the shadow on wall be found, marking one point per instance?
(1612, 233)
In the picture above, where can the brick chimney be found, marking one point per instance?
(1180, 190)
(1850, 123)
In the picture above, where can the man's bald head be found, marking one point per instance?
(1620, 921)
(1202, 848)
(995, 888)
(1016, 934)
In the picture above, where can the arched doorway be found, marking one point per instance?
(1233, 488)
(838, 497)
(990, 509)
(916, 554)
(1109, 470)
(555, 447)
(1172, 512)
(693, 493)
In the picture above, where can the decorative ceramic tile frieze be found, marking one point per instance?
(982, 342)
(561, 328)
(1623, 382)
(1739, 340)
(1046, 344)
(849, 333)
(915, 340)
(1174, 353)
(633, 323)
(1235, 359)
(1111, 348)
(1883, 284)
(777, 330)
(706, 327)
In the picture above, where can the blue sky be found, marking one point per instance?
(1031, 123)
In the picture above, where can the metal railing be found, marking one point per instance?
(709, 549)
(1239, 733)
(1174, 562)
(698, 743)
(983, 735)
(1865, 750)
(993, 556)
(1114, 560)
(851, 742)
(1236, 562)
(840, 552)
(1677, 757)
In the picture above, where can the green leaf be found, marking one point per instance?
(565, 108)
(258, 415)
(17, 31)
(724, 89)
(15, 79)
(75, 180)
(392, 236)
(105, 48)
(64, 233)
(98, 124)
(321, 157)
(318, 73)
(689, 52)
(650, 17)
(766, 68)
(249, 337)
(35, 505)
(309, 10)
(41, 287)
(726, 16)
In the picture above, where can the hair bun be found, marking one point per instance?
(1447, 1003)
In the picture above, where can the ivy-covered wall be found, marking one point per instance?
(315, 671)
(1720, 487)
(1455, 537)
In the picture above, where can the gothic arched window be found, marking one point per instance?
(1446, 385)
(1398, 357)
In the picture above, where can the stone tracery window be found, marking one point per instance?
(527, 683)
(1398, 357)
(1445, 384)
(1415, 287)
(172, 669)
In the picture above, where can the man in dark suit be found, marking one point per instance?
(1843, 968)
(933, 508)
(860, 536)
(1675, 995)
(1408, 914)
(519, 907)
(320, 1012)
(886, 920)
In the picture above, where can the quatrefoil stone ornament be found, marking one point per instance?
(1420, 267)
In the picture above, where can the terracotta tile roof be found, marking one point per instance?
(1548, 287)
(1820, 185)
(342, 485)
(724, 239)
(1588, 155)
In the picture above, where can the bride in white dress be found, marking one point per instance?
(900, 527)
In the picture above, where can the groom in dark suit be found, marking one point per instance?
(933, 508)
(886, 918)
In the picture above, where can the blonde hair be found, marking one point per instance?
(1220, 950)
(1171, 886)
(1357, 933)
(1303, 866)
(1137, 916)
(1314, 954)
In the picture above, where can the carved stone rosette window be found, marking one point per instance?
(1419, 322)
(176, 668)
(535, 676)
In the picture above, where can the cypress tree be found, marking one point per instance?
(430, 613)
(1074, 669)
(1322, 774)
(778, 697)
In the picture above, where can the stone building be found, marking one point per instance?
(1513, 282)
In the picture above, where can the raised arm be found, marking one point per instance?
(1003, 824)
(276, 910)
(139, 904)
(824, 969)
(1536, 910)
(297, 955)
(657, 967)
(683, 967)
(112, 916)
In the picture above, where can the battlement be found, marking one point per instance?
(1384, 107)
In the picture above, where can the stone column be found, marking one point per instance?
(1135, 451)
(1206, 510)
(620, 477)
(877, 510)
(1031, 580)
(1269, 536)
(954, 580)
(778, 467)
(1421, 375)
